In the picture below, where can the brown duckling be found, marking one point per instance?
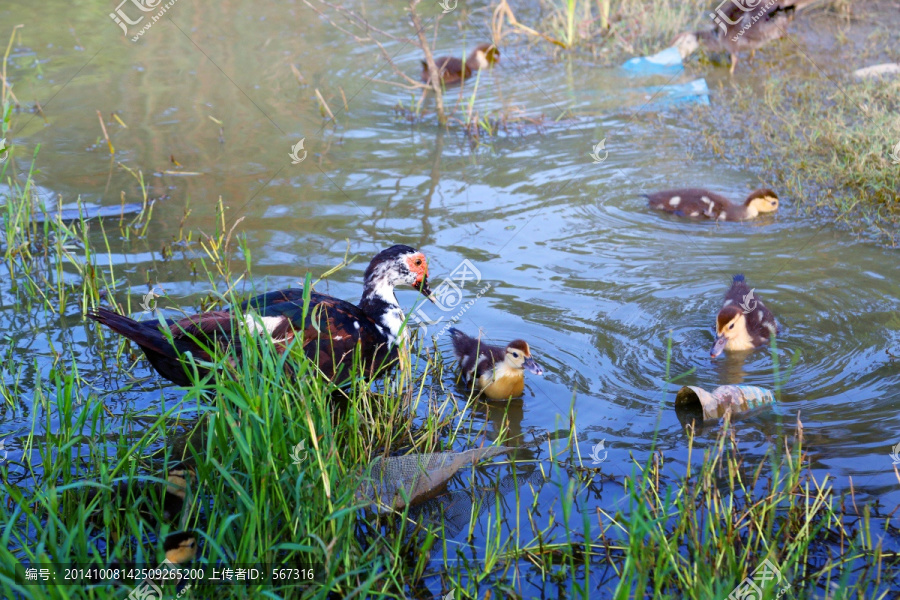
(744, 323)
(129, 495)
(697, 202)
(180, 547)
(737, 28)
(453, 70)
(498, 372)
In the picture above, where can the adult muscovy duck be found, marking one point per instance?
(331, 333)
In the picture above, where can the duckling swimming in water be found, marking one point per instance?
(498, 372)
(744, 323)
(452, 70)
(697, 202)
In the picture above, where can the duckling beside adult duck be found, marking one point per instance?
(700, 203)
(331, 333)
(742, 25)
(744, 323)
(145, 499)
(498, 372)
(453, 70)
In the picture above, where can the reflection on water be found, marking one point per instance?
(577, 265)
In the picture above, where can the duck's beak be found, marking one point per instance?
(718, 347)
(533, 366)
(422, 286)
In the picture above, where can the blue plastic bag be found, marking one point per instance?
(667, 62)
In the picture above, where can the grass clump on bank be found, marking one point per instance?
(827, 143)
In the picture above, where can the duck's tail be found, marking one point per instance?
(162, 353)
(738, 278)
(144, 335)
(462, 343)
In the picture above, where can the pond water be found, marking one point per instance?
(577, 265)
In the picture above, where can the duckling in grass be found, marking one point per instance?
(180, 547)
(697, 202)
(142, 497)
(744, 323)
(498, 372)
(453, 70)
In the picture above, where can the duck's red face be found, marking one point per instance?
(418, 266)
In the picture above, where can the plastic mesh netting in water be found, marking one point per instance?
(396, 481)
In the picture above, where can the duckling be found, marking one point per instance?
(737, 28)
(498, 372)
(744, 323)
(140, 496)
(453, 70)
(180, 547)
(697, 202)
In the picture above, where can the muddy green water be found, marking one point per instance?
(576, 263)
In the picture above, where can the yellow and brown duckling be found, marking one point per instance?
(701, 203)
(498, 372)
(453, 70)
(744, 323)
(738, 27)
(180, 547)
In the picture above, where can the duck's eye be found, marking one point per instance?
(731, 326)
(418, 262)
(515, 355)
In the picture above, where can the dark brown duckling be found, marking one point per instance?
(744, 323)
(498, 372)
(738, 26)
(701, 203)
(452, 70)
